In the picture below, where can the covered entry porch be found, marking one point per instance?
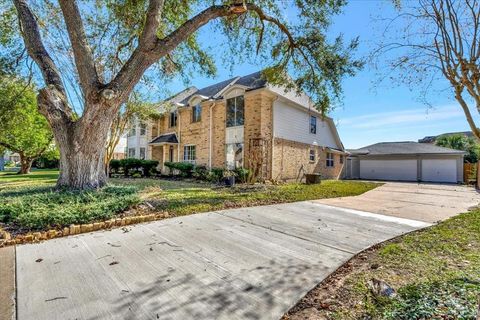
(164, 148)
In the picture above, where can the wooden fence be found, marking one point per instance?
(470, 173)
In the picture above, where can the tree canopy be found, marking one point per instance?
(282, 36)
(435, 42)
(22, 128)
(461, 142)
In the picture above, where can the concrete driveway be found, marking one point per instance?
(418, 201)
(250, 263)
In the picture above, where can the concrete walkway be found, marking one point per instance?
(250, 263)
(418, 201)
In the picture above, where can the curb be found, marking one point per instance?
(6, 238)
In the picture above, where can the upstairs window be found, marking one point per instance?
(313, 124)
(143, 128)
(235, 111)
(197, 113)
(132, 132)
(189, 154)
(173, 119)
(312, 155)
(330, 159)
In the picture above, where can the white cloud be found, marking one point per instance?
(402, 118)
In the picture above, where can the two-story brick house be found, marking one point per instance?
(242, 122)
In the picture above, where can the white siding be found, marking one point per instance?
(234, 135)
(138, 141)
(292, 123)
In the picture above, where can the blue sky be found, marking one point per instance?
(368, 114)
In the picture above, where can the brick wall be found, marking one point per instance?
(258, 125)
(292, 161)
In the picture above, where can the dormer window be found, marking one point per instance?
(173, 119)
(196, 113)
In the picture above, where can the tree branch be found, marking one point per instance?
(35, 47)
(149, 34)
(9, 146)
(83, 55)
(144, 56)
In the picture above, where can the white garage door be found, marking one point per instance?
(439, 170)
(401, 170)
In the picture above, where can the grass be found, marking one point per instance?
(30, 202)
(436, 273)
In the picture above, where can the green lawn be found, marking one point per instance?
(436, 273)
(31, 203)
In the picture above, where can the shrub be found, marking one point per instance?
(149, 167)
(242, 174)
(185, 168)
(216, 174)
(42, 208)
(115, 166)
(130, 164)
(200, 172)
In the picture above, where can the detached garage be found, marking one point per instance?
(405, 161)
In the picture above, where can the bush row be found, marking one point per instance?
(132, 166)
(201, 172)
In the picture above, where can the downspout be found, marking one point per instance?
(210, 133)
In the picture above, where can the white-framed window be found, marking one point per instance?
(330, 158)
(189, 154)
(235, 111)
(312, 155)
(143, 128)
(234, 155)
(142, 153)
(197, 113)
(313, 124)
(173, 119)
(131, 152)
(132, 132)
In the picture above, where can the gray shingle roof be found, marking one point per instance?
(404, 148)
(252, 81)
(166, 138)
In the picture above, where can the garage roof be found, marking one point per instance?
(404, 148)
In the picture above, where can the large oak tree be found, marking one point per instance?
(113, 45)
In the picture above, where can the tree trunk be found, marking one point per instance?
(25, 164)
(81, 142)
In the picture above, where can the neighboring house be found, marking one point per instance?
(242, 122)
(120, 149)
(405, 161)
(433, 139)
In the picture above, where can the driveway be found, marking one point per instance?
(250, 263)
(418, 201)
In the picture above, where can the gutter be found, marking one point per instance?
(273, 138)
(179, 125)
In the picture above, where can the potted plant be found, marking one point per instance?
(229, 178)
